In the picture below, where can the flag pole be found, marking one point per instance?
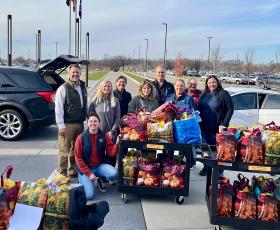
(70, 24)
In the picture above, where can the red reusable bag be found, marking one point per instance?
(10, 187)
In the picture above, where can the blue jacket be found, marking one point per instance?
(182, 101)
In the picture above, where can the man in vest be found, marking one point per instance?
(163, 87)
(70, 113)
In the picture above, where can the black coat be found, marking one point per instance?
(225, 109)
(162, 92)
(124, 98)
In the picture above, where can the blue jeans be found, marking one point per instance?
(104, 171)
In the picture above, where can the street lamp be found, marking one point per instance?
(147, 55)
(165, 51)
(56, 48)
(139, 58)
(209, 40)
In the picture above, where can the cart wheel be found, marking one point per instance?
(217, 227)
(124, 197)
(179, 200)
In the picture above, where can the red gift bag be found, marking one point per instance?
(10, 187)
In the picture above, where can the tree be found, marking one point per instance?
(216, 57)
(248, 61)
(277, 60)
(179, 66)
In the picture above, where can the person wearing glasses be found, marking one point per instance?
(146, 98)
(163, 87)
(192, 90)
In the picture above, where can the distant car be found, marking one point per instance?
(27, 96)
(170, 72)
(234, 78)
(271, 82)
(115, 69)
(254, 106)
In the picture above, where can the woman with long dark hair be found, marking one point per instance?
(216, 108)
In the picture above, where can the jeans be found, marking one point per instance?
(104, 171)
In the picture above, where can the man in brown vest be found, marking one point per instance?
(70, 113)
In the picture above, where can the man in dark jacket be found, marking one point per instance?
(70, 113)
(163, 87)
(123, 96)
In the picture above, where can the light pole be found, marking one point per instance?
(139, 58)
(165, 51)
(209, 43)
(147, 55)
(56, 48)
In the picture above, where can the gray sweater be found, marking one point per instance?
(109, 116)
(138, 102)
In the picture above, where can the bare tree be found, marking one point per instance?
(248, 61)
(277, 60)
(216, 57)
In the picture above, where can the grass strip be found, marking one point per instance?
(97, 75)
(135, 77)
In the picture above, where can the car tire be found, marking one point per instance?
(12, 125)
(237, 82)
(224, 81)
(262, 85)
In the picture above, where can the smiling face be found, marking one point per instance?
(192, 84)
(179, 87)
(74, 74)
(121, 83)
(146, 90)
(93, 124)
(107, 88)
(212, 84)
(160, 73)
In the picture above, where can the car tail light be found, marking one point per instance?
(48, 96)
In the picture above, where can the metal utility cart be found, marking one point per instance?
(179, 193)
(214, 168)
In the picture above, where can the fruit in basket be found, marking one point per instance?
(174, 183)
(142, 174)
(149, 181)
(166, 183)
(134, 137)
(126, 137)
(140, 181)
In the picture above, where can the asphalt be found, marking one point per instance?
(32, 161)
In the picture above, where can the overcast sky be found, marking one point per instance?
(119, 27)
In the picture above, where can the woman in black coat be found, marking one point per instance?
(216, 109)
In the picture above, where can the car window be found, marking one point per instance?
(26, 80)
(261, 97)
(53, 80)
(272, 102)
(245, 101)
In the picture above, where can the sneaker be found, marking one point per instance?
(203, 172)
(101, 185)
(112, 183)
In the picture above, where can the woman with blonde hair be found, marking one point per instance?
(107, 107)
(146, 98)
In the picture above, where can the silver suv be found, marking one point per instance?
(235, 78)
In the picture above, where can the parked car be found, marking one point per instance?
(254, 106)
(27, 96)
(234, 78)
(270, 82)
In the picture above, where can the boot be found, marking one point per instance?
(203, 171)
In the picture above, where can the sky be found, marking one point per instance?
(120, 27)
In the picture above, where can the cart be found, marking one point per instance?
(179, 193)
(214, 167)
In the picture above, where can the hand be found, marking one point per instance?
(119, 137)
(110, 134)
(92, 177)
(62, 132)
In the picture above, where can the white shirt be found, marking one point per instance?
(59, 104)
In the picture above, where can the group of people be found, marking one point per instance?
(91, 154)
